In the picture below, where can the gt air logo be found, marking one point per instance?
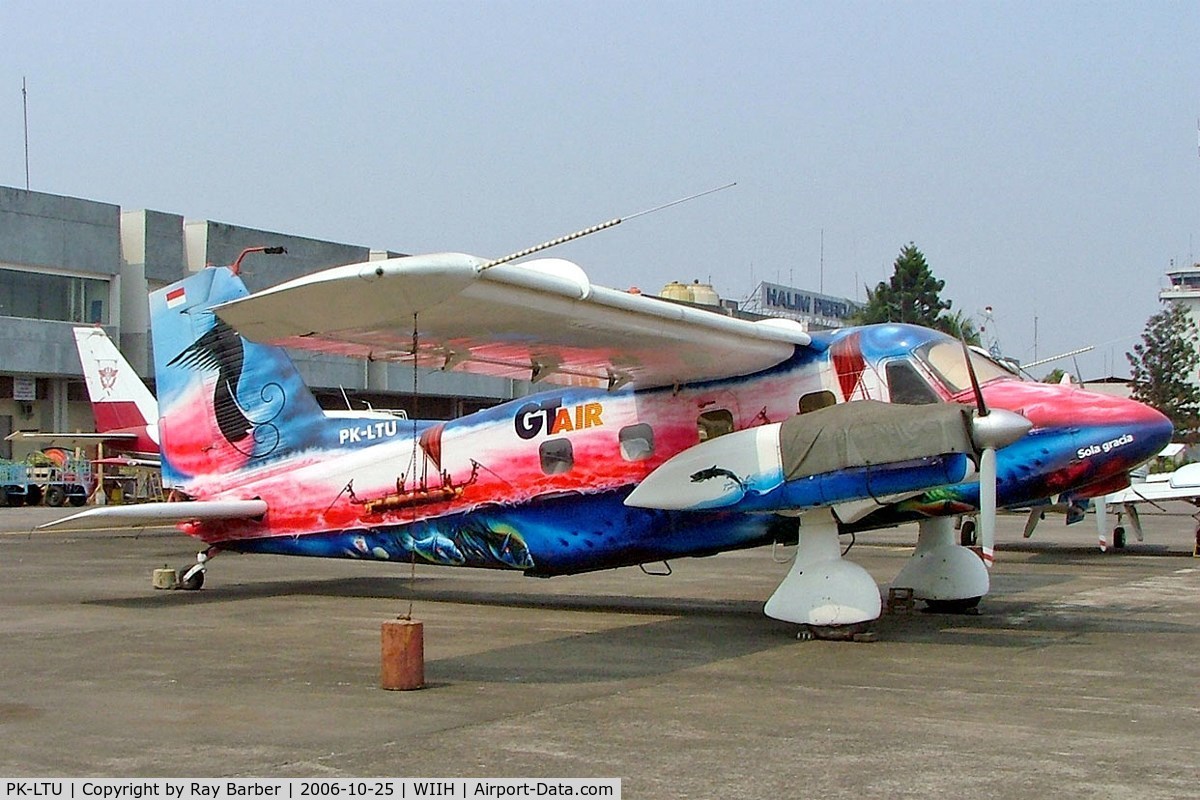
(1106, 447)
(550, 416)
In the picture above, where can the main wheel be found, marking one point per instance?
(191, 583)
(966, 534)
(952, 606)
(55, 495)
(1119, 537)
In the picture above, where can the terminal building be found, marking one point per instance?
(66, 261)
(813, 310)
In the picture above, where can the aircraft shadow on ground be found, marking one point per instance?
(433, 589)
(699, 631)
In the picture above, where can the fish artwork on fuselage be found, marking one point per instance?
(669, 438)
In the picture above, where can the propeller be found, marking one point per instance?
(990, 430)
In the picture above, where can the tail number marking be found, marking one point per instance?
(367, 433)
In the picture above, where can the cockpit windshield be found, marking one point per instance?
(945, 360)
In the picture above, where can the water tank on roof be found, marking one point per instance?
(676, 291)
(704, 294)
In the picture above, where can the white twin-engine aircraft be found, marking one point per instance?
(664, 431)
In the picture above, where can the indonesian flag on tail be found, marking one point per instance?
(176, 297)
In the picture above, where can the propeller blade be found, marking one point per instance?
(980, 406)
(987, 505)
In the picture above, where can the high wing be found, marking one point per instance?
(538, 320)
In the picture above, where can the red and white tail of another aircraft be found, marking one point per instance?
(125, 411)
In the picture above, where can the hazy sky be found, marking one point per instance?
(1042, 155)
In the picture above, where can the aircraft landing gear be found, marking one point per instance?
(825, 594)
(948, 577)
(192, 577)
(1119, 537)
(966, 534)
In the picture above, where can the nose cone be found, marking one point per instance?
(1079, 439)
(1148, 431)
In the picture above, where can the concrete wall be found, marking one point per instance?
(152, 255)
(220, 243)
(63, 235)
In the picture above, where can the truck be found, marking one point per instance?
(53, 480)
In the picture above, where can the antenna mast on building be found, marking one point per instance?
(25, 110)
(822, 278)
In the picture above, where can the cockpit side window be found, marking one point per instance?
(907, 387)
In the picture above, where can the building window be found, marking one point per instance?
(63, 298)
(712, 424)
(637, 442)
(557, 456)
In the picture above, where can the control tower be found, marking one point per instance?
(1184, 289)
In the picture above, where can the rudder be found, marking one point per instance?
(226, 405)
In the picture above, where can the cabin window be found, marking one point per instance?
(557, 456)
(637, 442)
(906, 386)
(712, 424)
(815, 400)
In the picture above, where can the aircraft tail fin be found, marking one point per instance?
(120, 399)
(227, 405)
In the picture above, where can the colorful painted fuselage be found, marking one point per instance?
(537, 484)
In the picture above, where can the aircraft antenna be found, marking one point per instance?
(822, 278)
(236, 267)
(570, 237)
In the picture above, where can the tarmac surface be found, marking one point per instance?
(1079, 676)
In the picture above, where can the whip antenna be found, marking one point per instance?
(570, 237)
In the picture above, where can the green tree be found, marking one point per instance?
(1163, 366)
(910, 296)
(1054, 376)
(913, 295)
(959, 326)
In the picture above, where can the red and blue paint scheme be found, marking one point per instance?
(540, 484)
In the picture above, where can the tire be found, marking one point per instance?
(193, 583)
(77, 499)
(967, 535)
(33, 495)
(11, 496)
(962, 606)
(55, 496)
(1119, 537)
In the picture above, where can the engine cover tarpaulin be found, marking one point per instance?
(864, 433)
